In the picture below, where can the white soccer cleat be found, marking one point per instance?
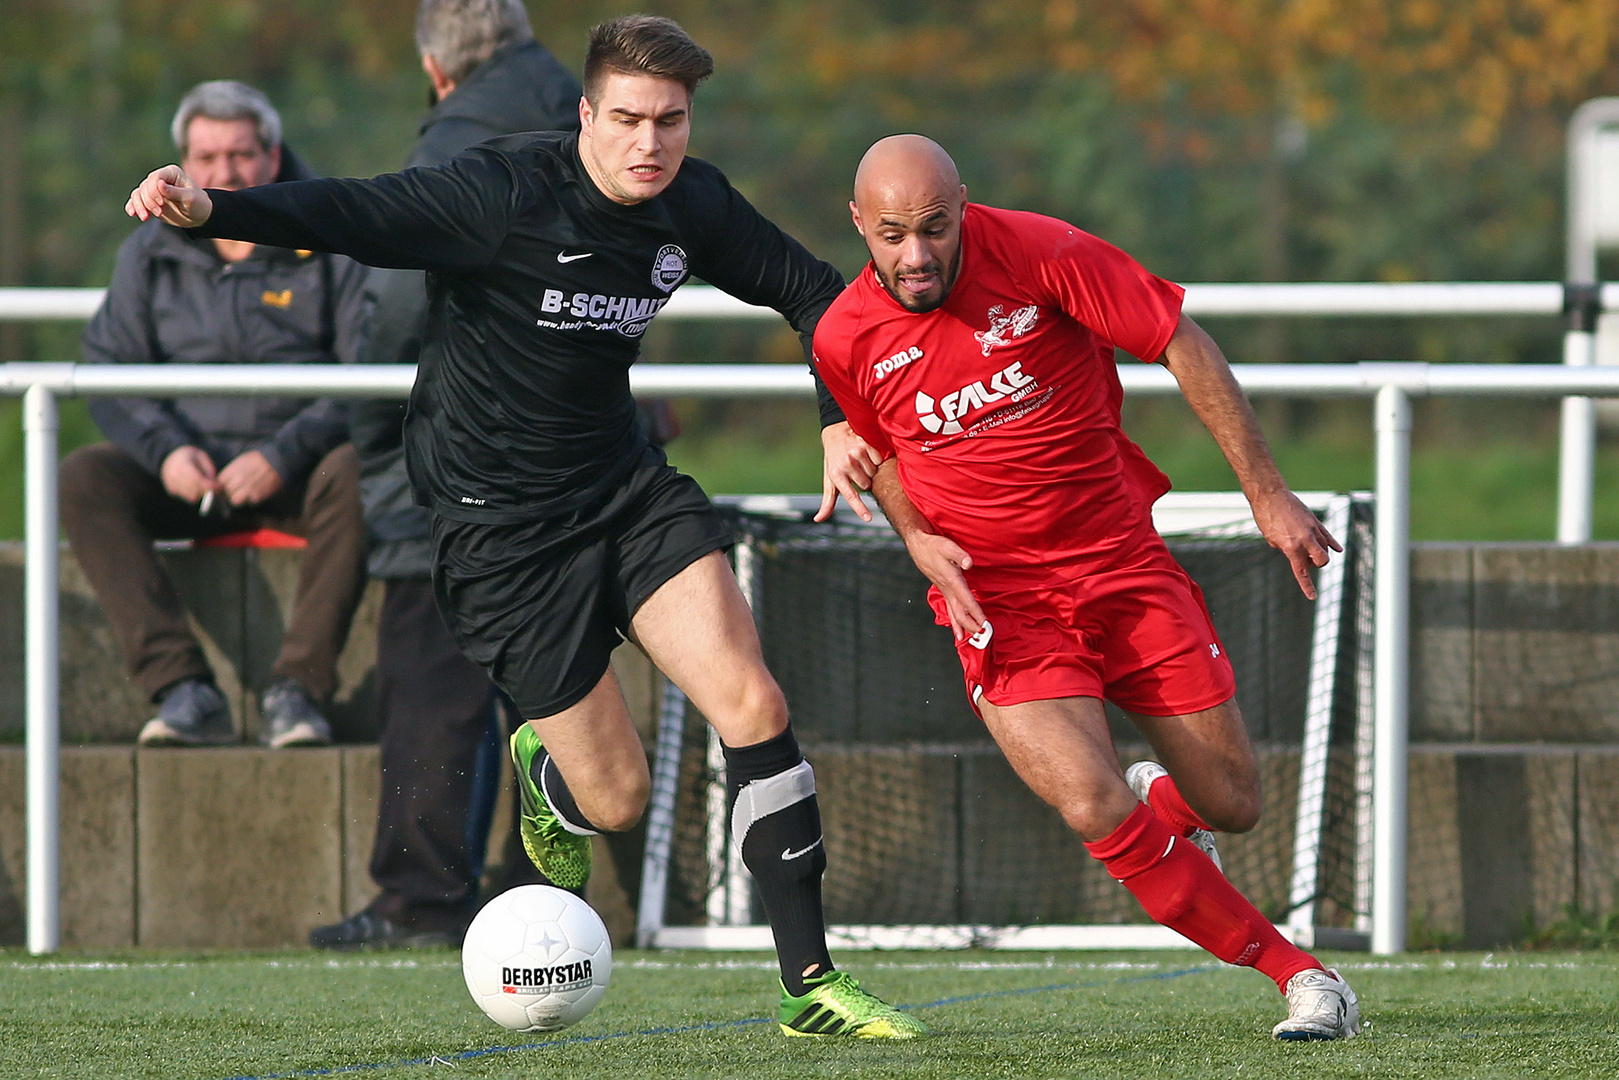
(1320, 1005)
(1140, 777)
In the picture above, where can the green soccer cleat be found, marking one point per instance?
(563, 857)
(834, 1004)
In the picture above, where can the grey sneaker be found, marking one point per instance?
(291, 717)
(1320, 1005)
(1140, 777)
(192, 712)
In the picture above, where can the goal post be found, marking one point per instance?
(932, 841)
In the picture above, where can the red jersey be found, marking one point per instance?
(1003, 404)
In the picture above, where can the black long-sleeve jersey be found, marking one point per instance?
(541, 288)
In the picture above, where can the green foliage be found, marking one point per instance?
(77, 430)
(1578, 929)
(1217, 142)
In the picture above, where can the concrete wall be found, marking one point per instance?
(1515, 643)
(239, 601)
(236, 847)
(1514, 777)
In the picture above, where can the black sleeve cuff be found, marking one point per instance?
(830, 412)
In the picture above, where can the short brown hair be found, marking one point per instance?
(644, 45)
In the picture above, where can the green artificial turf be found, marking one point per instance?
(1542, 1014)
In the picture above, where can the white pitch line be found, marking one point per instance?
(1050, 964)
(167, 965)
(1489, 962)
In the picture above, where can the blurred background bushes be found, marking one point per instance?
(1217, 140)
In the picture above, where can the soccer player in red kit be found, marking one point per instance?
(974, 356)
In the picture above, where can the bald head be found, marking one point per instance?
(912, 164)
(908, 205)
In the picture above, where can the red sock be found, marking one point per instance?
(1165, 799)
(1180, 888)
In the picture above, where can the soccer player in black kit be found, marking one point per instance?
(558, 528)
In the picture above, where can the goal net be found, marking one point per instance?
(932, 840)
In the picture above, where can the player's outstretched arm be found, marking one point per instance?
(168, 193)
(1206, 380)
(848, 466)
(939, 558)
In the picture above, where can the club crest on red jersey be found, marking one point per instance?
(1003, 328)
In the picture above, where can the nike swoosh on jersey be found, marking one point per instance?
(564, 257)
(790, 854)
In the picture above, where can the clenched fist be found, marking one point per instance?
(169, 194)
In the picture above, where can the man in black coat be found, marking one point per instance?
(436, 708)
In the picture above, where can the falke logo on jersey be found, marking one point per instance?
(669, 268)
(1003, 328)
(884, 368)
(560, 977)
(957, 404)
(629, 315)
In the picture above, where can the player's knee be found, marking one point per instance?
(621, 818)
(1239, 810)
(1094, 815)
(624, 809)
(760, 708)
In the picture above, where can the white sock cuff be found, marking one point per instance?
(761, 798)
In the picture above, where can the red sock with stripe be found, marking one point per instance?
(1166, 801)
(1180, 888)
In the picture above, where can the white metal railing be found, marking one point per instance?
(1577, 453)
(1389, 386)
(1260, 299)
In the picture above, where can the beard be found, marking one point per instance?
(918, 305)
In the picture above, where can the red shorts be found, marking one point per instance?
(1137, 633)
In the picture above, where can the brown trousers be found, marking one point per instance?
(112, 511)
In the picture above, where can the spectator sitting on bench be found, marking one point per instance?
(201, 467)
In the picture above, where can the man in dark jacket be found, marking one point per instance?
(489, 77)
(199, 467)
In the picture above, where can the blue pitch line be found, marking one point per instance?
(715, 1025)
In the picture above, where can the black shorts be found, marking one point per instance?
(542, 605)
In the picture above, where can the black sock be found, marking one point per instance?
(785, 853)
(544, 772)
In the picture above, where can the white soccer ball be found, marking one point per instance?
(536, 958)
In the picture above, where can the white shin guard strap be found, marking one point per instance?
(761, 798)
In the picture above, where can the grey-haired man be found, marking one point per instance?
(200, 467)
